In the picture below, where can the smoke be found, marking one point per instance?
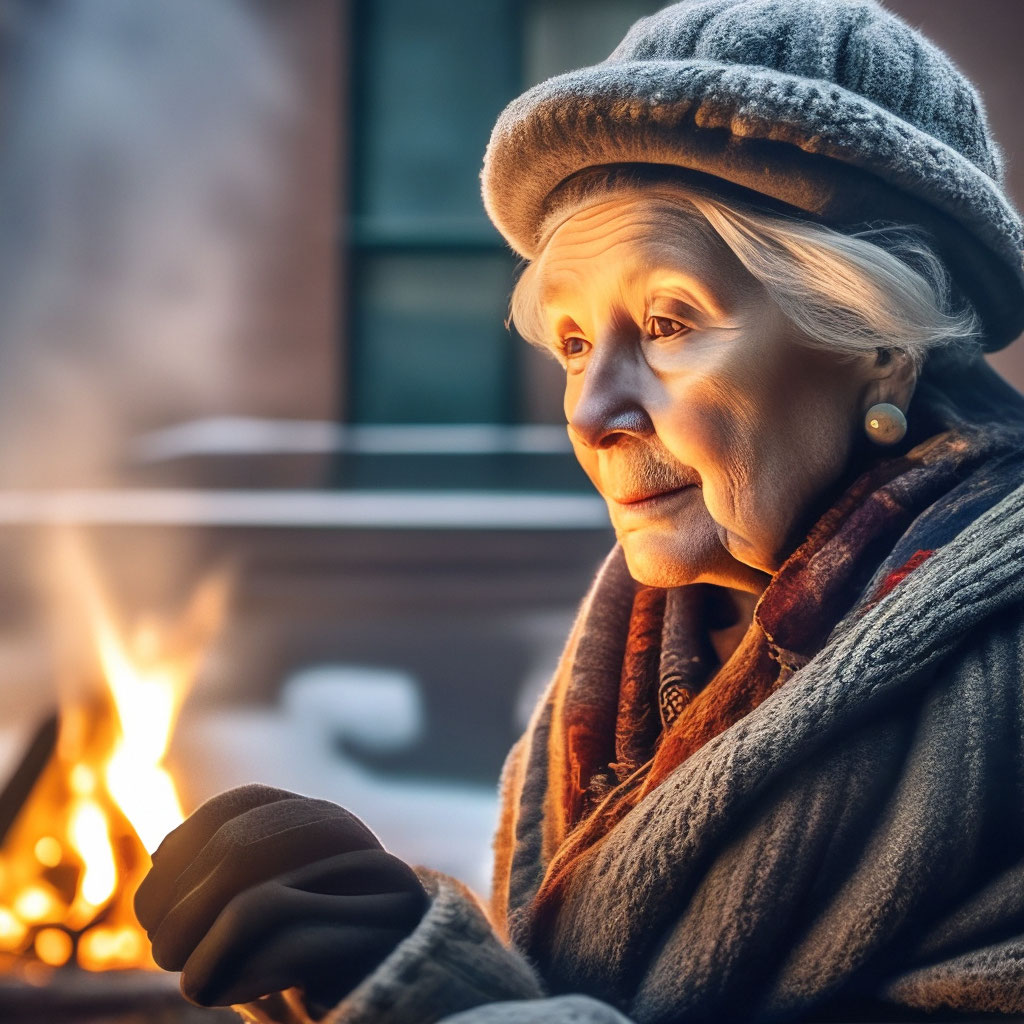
(140, 176)
(142, 179)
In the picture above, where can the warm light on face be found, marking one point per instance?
(706, 424)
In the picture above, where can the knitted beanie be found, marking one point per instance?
(832, 109)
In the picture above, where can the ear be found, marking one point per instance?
(892, 378)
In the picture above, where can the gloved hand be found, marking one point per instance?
(261, 890)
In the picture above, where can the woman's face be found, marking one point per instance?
(708, 428)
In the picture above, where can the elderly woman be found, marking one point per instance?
(779, 771)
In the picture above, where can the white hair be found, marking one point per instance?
(880, 288)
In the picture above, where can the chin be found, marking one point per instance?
(674, 558)
(657, 561)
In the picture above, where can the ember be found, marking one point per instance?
(99, 799)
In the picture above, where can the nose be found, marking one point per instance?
(606, 402)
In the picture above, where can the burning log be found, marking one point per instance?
(26, 775)
(89, 801)
(71, 859)
(32, 988)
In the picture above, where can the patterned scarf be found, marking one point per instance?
(612, 744)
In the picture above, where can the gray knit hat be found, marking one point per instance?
(835, 108)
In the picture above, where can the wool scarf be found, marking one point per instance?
(641, 688)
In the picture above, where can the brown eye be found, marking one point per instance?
(574, 346)
(664, 327)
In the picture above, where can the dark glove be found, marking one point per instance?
(261, 890)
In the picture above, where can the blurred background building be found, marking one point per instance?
(251, 313)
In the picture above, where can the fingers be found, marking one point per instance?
(330, 960)
(226, 825)
(261, 889)
(328, 890)
(228, 865)
(180, 847)
(364, 871)
(273, 936)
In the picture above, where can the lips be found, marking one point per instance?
(634, 473)
(651, 483)
(638, 498)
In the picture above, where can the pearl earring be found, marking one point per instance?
(885, 423)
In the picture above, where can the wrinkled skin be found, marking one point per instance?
(712, 432)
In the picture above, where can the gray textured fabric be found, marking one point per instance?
(452, 961)
(563, 1009)
(835, 108)
(852, 826)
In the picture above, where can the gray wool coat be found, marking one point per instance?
(859, 832)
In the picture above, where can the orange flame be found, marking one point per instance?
(80, 845)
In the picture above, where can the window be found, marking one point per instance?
(430, 276)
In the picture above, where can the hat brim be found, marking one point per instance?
(808, 144)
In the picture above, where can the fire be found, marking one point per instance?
(81, 842)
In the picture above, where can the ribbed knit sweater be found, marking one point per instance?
(854, 842)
